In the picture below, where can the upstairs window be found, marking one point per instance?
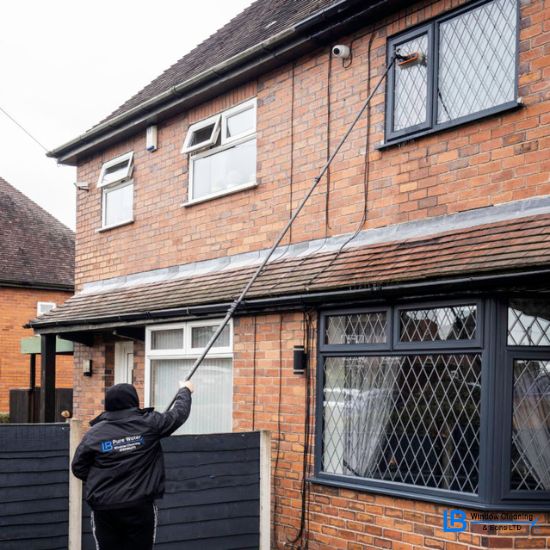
(462, 66)
(202, 134)
(223, 153)
(117, 190)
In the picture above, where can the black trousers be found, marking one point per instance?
(125, 528)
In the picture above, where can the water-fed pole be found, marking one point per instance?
(317, 179)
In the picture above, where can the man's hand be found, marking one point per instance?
(187, 384)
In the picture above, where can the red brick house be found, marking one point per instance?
(36, 274)
(416, 277)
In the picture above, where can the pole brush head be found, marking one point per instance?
(410, 59)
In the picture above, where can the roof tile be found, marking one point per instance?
(502, 246)
(258, 22)
(36, 248)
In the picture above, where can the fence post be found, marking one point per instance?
(75, 491)
(265, 490)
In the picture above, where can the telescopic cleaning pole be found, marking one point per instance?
(237, 301)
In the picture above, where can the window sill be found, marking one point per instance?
(109, 227)
(506, 107)
(444, 498)
(221, 194)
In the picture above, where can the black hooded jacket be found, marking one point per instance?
(120, 457)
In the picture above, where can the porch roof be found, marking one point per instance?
(501, 247)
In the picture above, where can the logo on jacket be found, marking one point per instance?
(124, 444)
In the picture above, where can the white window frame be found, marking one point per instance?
(123, 181)
(39, 304)
(104, 192)
(222, 192)
(225, 143)
(187, 352)
(187, 148)
(251, 104)
(118, 160)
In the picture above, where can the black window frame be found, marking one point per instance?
(431, 27)
(494, 465)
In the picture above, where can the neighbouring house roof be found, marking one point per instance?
(502, 247)
(36, 249)
(267, 34)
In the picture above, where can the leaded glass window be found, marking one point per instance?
(463, 66)
(437, 324)
(411, 87)
(531, 426)
(418, 399)
(477, 60)
(528, 323)
(357, 328)
(411, 419)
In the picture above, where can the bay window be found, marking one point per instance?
(426, 401)
(171, 351)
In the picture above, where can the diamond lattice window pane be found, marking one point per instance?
(412, 419)
(364, 328)
(531, 426)
(411, 87)
(528, 323)
(438, 324)
(477, 60)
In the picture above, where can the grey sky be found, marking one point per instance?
(66, 64)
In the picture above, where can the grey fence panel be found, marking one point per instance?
(34, 486)
(212, 499)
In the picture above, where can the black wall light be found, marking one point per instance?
(300, 360)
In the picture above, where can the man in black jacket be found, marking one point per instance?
(120, 460)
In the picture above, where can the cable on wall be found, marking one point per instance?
(291, 168)
(302, 531)
(277, 455)
(366, 173)
(329, 93)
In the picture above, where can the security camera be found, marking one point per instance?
(341, 51)
(81, 185)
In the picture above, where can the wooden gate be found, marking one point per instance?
(213, 493)
(25, 404)
(217, 491)
(34, 486)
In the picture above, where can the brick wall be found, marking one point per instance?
(89, 391)
(268, 396)
(300, 118)
(17, 307)
(303, 109)
(338, 518)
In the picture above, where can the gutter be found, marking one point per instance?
(299, 300)
(268, 54)
(37, 285)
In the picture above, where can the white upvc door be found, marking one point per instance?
(124, 362)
